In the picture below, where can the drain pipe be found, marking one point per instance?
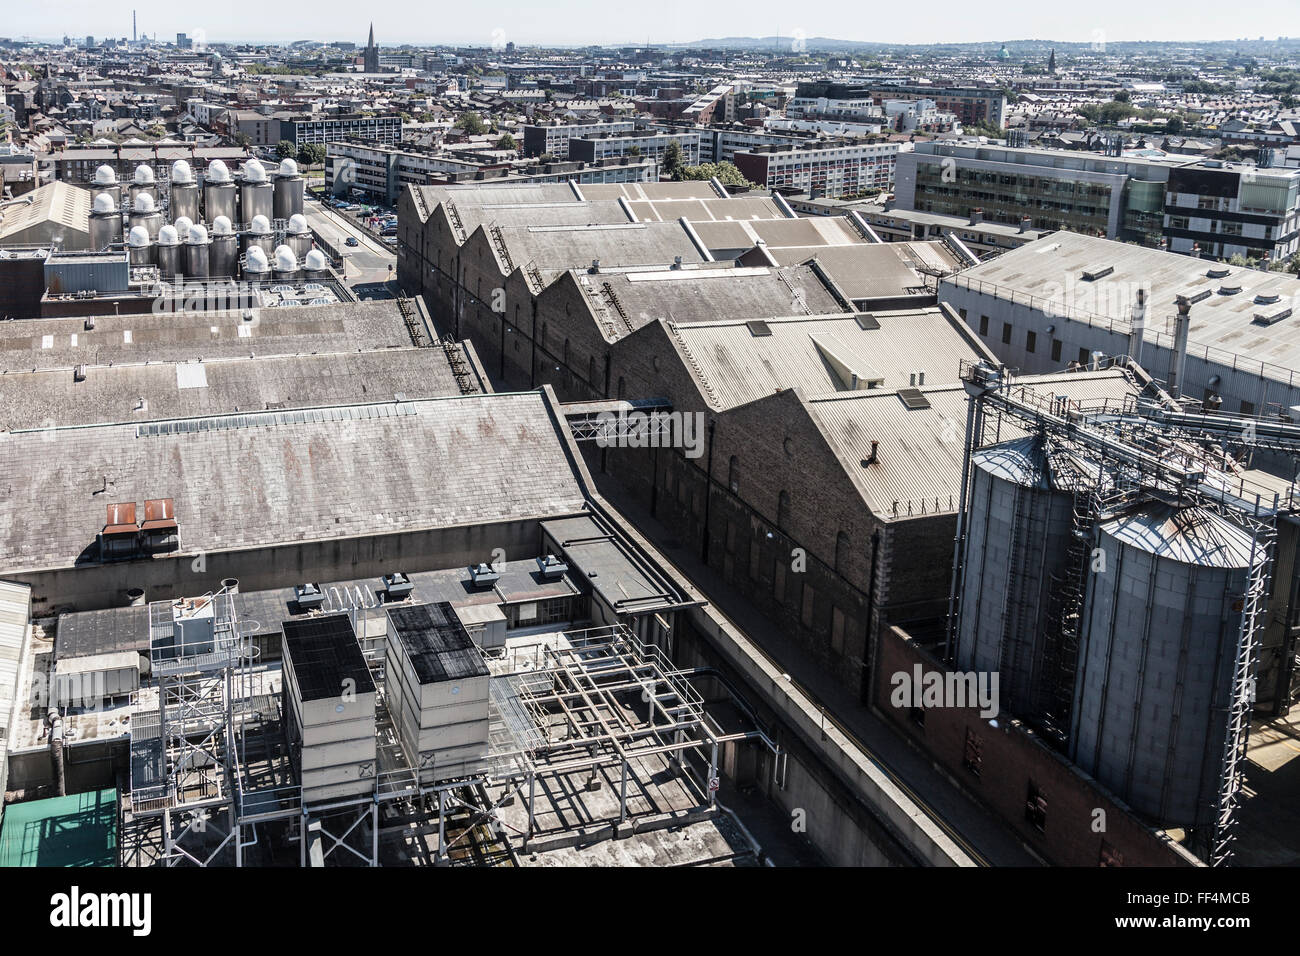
(56, 750)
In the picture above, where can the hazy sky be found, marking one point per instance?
(659, 21)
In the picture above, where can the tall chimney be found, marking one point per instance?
(1179, 359)
(1138, 325)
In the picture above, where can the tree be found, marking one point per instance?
(546, 158)
(1174, 125)
(634, 150)
(1121, 97)
(727, 173)
(672, 164)
(507, 142)
(285, 149)
(311, 154)
(472, 124)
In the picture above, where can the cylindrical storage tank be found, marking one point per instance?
(196, 253)
(1158, 640)
(143, 184)
(1017, 537)
(140, 247)
(256, 194)
(169, 252)
(144, 212)
(184, 196)
(298, 235)
(223, 253)
(105, 181)
(259, 234)
(219, 193)
(286, 264)
(316, 265)
(288, 190)
(105, 223)
(183, 226)
(257, 269)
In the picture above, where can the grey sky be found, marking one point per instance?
(661, 21)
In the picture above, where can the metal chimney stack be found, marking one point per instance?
(1138, 326)
(1178, 360)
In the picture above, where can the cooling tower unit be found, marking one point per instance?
(255, 192)
(106, 182)
(1160, 629)
(1018, 535)
(259, 235)
(329, 708)
(105, 223)
(219, 193)
(140, 247)
(298, 235)
(438, 689)
(288, 190)
(223, 253)
(144, 212)
(196, 253)
(169, 252)
(184, 197)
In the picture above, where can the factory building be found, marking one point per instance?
(1065, 297)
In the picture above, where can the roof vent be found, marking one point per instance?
(1191, 298)
(483, 575)
(867, 322)
(758, 328)
(79, 373)
(1268, 319)
(309, 596)
(1094, 274)
(913, 398)
(1231, 288)
(551, 567)
(1218, 272)
(397, 585)
(1266, 298)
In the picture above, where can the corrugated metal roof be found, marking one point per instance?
(739, 367)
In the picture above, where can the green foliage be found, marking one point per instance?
(507, 142)
(285, 149)
(728, 174)
(311, 154)
(672, 163)
(472, 124)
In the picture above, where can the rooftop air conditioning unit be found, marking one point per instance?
(397, 585)
(551, 567)
(309, 596)
(483, 575)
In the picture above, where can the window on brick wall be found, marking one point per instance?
(1006, 333)
(1056, 350)
(842, 550)
(984, 325)
(1031, 341)
(1036, 807)
(1083, 357)
(917, 716)
(806, 614)
(838, 627)
(783, 510)
(973, 756)
(733, 475)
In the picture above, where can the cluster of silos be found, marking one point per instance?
(211, 226)
(1160, 632)
(1017, 540)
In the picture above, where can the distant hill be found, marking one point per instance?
(1014, 47)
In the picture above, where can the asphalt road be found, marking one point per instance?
(366, 266)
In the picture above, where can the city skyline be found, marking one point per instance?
(585, 22)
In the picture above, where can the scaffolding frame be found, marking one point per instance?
(1144, 447)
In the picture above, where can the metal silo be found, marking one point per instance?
(316, 265)
(256, 194)
(1018, 536)
(257, 269)
(144, 212)
(184, 196)
(140, 247)
(223, 254)
(298, 235)
(143, 184)
(105, 223)
(1160, 629)
(219, 193)
(286, 264)
(169, 252)
(288, 190)
(106, 182)
(259, 234)
(196, 252)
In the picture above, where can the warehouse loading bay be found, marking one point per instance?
(378, 724)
